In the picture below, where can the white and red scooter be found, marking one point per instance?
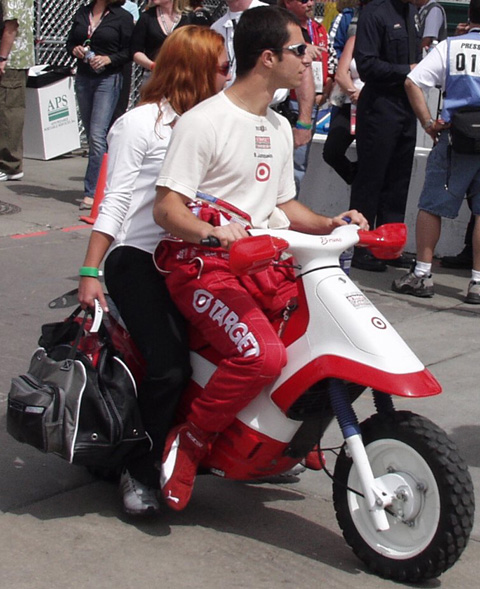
(402, 495)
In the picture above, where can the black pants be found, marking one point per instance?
(386, 135)
(158, 330)
(338, 141)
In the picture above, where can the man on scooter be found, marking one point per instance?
(235, 148)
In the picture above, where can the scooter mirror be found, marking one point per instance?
(385, 242)
(254, 254)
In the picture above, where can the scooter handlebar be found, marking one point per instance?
(210, 241)
(386, 242)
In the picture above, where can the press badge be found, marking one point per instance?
(317, 69)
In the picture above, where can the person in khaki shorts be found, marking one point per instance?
(16, 57)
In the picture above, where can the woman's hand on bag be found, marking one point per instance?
(89, 289)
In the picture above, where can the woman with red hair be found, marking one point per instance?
(191, 66)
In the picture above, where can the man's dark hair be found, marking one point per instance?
(474, 11)
(264, 27)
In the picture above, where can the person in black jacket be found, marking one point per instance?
(100, 40)
(387, 47)
(153, 27)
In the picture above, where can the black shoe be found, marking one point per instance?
(364, 260)
(463, 260)
(404, 261)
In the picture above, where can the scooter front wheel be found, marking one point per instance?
(431, 515)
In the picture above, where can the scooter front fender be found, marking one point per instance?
(414, 384)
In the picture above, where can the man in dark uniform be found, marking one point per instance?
(387, 47)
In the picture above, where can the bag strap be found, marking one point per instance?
(449, 161)
(81, 327)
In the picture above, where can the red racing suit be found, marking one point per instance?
(233, 314)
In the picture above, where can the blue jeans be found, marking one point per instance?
(300, 155)
(97, 98)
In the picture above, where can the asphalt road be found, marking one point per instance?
(61, 527)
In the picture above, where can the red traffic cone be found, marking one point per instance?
(99, 192)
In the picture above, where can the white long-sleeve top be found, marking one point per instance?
(137, 144)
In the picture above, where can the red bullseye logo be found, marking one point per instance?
(263, 172)
(379, 323)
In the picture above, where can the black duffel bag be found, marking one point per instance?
(82, 407)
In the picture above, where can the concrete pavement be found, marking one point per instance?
(59, 526)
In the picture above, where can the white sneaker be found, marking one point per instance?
(294, 471)
(4, 177)
(138, 499)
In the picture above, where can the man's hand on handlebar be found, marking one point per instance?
(352, 216)
(228, 234)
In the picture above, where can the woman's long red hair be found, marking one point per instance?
(185, 69)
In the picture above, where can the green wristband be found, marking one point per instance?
(89, 271)
(300, 125)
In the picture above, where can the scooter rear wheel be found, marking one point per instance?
(432, 517)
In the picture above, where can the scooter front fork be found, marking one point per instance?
(376, 494)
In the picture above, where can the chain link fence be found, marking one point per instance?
(53, 20)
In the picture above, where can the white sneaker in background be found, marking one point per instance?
(4, 177)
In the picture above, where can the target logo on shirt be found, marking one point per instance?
(262, 173)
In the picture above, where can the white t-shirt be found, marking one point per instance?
(227, 152)
(431, 70)
(137, 144)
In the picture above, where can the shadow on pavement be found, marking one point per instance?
(467, 437)
(36, 191)
(228, 507)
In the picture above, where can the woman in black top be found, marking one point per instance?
(153, 27)
(100, 40)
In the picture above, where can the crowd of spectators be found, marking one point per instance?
(359, 69)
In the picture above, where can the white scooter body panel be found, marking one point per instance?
(342, 323)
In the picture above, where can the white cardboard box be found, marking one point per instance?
(51, 124)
